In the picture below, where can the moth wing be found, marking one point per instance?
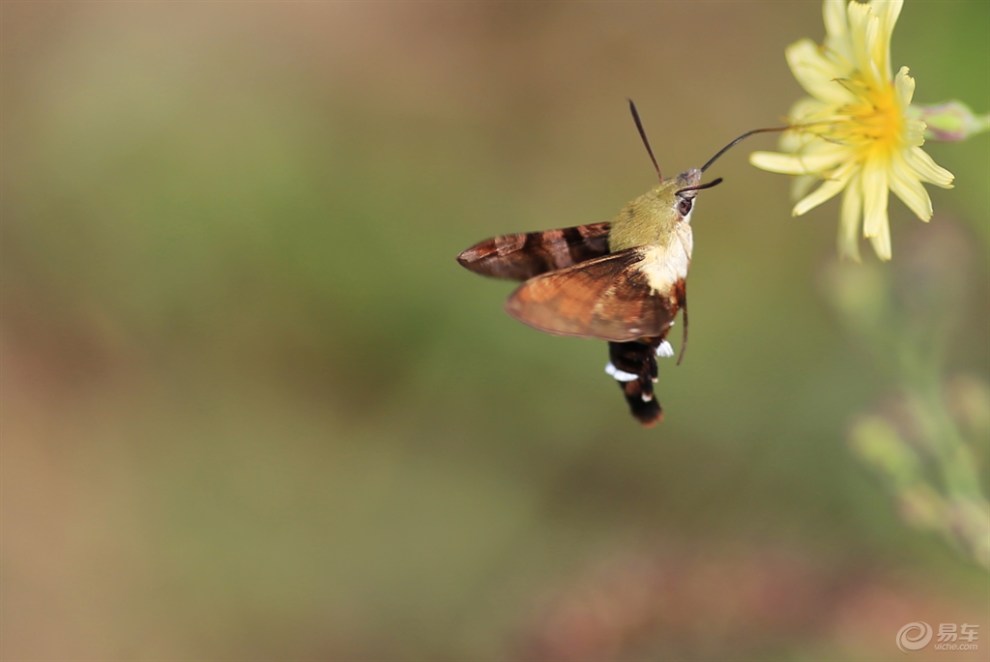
(527, 254)
(607, 298)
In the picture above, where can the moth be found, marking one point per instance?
(622, 281)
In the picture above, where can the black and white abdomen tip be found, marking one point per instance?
(633, 365)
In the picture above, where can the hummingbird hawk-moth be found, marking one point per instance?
(622, 281)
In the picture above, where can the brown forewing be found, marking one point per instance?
(525, 255)
(607, 298)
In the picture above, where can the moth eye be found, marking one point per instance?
(684, 206)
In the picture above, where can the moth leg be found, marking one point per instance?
(682, 302)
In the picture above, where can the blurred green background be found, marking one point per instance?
(253, 409)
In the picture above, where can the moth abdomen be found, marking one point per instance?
(633, 365)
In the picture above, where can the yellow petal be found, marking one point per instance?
(801, 184)
(849, 220)
(805, 112)
(859, 15)
(836, 23)
(807, 108)
(828, 189)
(816, 73)
(906, 185)
(881, 243)
(927, 169)
(887, 11)
(904, 85)
(863, 29)
(792, 142)
(811, 161)
(785, 164)
(913, 133)
(837, 29)
(875, 196)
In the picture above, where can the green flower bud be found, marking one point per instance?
(950, 121)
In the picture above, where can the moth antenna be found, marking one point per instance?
(740, 139)
(642, 134)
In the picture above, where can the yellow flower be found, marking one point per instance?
(855, 131)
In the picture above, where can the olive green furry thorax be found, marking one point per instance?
(647, 220)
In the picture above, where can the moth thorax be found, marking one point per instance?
(650, 219)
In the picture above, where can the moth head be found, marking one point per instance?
(685, 193)
(654, 218)
(686, 189)
(679, 194)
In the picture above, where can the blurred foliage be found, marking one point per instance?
(930, 442)
(252, 408)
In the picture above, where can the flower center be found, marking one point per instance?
(873, 124)
(877, 119)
